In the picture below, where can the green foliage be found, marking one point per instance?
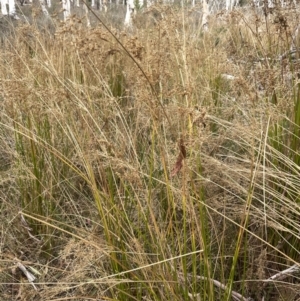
(284, 141)
(41, 173)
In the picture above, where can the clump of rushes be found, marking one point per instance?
(160, 163)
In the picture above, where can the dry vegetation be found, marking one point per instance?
(145, 164)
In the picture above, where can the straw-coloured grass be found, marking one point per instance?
(156, 164)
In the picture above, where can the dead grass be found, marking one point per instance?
(120, 184)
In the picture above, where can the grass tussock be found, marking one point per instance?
(161, 163)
